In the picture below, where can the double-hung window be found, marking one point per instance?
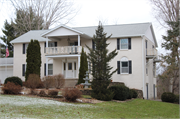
(124, 66)
(124, 44)
(50, 69)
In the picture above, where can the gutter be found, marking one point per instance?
(143, 62)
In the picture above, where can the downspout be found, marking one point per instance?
(143, 62)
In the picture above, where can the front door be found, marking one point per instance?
(69, 70)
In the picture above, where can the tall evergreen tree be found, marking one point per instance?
(9, 35)
(101, 70)
(33, 59)
(171, 60)
(99, 56)
(83, 67)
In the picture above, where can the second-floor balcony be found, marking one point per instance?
(63, 50)
(151, 53)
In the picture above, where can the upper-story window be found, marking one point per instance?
(25, 45)
(124, 44)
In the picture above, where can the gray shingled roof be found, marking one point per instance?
(124, 30)
(33, 34)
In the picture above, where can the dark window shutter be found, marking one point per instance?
(45, 69)
(118, 43)
(118, 67)
(129, 43)
(24, 48)
(55, 44)
(130, 67)
(45, 44)
(93, 45)
(23, 70)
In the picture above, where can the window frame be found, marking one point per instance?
(122, 43)
(50, 70)
(121, 67)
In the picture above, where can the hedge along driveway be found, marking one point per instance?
(26, 107)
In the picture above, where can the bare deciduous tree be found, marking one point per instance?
(52, 11)
(165, 10)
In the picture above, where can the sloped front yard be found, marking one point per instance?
(28, 107)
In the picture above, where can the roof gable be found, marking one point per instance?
(61, 30)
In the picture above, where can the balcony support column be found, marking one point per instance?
(79, 44)
(46, 57)
(46, 66)
(78, 66)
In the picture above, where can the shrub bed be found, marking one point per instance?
(42, 93)
(168, 97)
(100, 91)
(14, 79)
(53, 92)
(135, 94)
(121, 92)
(33, 81)
(71, 94)
(130, 96)
(11, 88)
(177, 99)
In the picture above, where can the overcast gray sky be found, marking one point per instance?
(110, 12)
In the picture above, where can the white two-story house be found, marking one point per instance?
(61, 47)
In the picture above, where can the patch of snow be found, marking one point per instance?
(26, 101)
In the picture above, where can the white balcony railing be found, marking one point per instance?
(151, 52)
(64, 50)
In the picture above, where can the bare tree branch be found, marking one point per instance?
(165, 10)
(52, 11)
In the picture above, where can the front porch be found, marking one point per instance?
(67, 65)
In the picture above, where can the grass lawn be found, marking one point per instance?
(26, 107)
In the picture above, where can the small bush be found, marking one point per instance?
(100, 91)
(11, 88)
(33, 81)
(48, 81)
(59, 81)
(41, 85)
(121, 92)
(52, 92)
(177, 99)
(33, 92)
(168, 97)
(42, 92)
(71, 94)
(130, 94)
(135, 94)
(14, 79)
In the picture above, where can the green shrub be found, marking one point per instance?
(121, 92)
(130, 94)
(14, 79)
(100, 91)
(177, 99)
(52, 92)
(135, 94)
(11, 88)
(168, 97)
